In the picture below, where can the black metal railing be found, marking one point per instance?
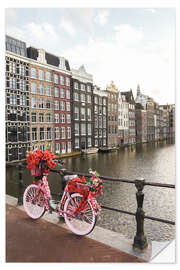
(140, 239)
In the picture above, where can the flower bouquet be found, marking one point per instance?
(39, 162)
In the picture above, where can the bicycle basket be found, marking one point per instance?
(36, 172)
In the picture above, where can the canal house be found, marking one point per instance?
(82, 95)
(17, 100)
(112, 115)
(100, 112)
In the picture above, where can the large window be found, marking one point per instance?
(68, 106)
(57, 148)
(63, 118)
(76, 96)
(89, 129)
(33, 117)
(56, 91)
(83, 98)
(48, 76)
(41, 133)
(48, 90)
(61, 80)
(41, 117)
(76, 113)
(62, 105)
(33, 73)
(57, 133)
(62, 93)
(89, 114)
(33, 88)
(68, 118)
(76, 142)
(41, 103)
(41, 74)
(56, 105)
(76, 129)
(68, 95)
(56, 118)
(48, 118)
(83, 114)
(56, 78)
(41, 89)
(48, 104)
(63, 133)
(34, 134)
(83, 129)
(33, 102)
(49, 133)
(69, 132)
(67, 81)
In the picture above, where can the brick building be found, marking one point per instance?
(141, 124)
(100, 112)
(82, 96)
(112, 115)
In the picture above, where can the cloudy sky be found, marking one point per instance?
(126, 45)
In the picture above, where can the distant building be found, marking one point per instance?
(141, 124)
(112, 115)
(82, 95)
(132, 124)
(123, 120)
(150, 107)
(100, 112)
(141, 98)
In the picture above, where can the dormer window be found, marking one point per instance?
(62, 63)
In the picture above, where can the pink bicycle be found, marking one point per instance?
(78, 204)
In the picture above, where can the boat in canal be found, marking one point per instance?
(107, 149)
(91, 150)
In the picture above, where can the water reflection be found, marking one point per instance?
(155, 162)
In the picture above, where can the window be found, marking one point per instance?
(62, 93)
(104, 110)
(56, 91)
(61, 80)
(57, 148)
(12, 67)
(33, 102)
(89, 142)
(22, 100)
(33, 73)
(67, 81)
(83, 98)
(48, 104)
(22, 70)
(89, 114)
(96, 109)
(104, 132)
(56, 78)
(56, 105)
(57, 133)
(48, 118)
(69, 132)
(33, 117)
(41, 103)
(41, 117)
(95, 133)
(96, 143)
(41, 133)
(89, 129)
(76, 86)
(41, 89)
(33, 88)
(41, 74)
(68, 116)
(104, 101)
(95, 121)
(76, 142)
(22, 85)
(56, 118)
(68, 96)
(76, 113)
(13, 99)
(63, 133)
(76, 96)
(89, 88)
(82, 87)
(62, 105)
(63, 147)
(96, 100)
(76, 129)
(49, 133)
(104, 142)
(48, 90)
(88, 98)
(63, 118)
(83, 114)
(68, 107)
(83, 129)
(100, 133)
(34, 134)
(69, 147)
(48, 76)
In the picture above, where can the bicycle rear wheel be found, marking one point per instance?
(84, 222)
(33, 202)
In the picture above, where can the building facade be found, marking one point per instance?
(112, 115)
(82, 96)
(100, 119)
(123, 120)
(132, 123)
(17, 100)
(141, 124)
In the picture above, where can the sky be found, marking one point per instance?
(124, 45)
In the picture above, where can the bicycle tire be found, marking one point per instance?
(35, 209)
(85, 221)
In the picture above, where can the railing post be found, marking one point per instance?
(62, 179)
(140, 240)
(20, 196)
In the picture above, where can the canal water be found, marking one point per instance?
(154, 161)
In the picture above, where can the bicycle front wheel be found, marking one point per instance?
(82, 223)
(33, 202)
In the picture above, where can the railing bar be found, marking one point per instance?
(160, 220)
(159, 185)
(118, 210)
